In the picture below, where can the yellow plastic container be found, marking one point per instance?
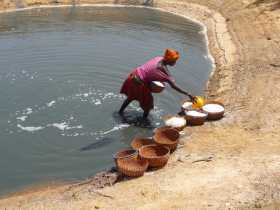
(198, 102)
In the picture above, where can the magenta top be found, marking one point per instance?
(150, 71)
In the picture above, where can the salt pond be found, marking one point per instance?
(60, 74)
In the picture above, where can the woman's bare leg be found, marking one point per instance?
(124, 105)
(146, 113)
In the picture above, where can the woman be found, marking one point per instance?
(137, 84)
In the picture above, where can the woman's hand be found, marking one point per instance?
(191, 97)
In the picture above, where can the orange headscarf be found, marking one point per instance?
(171, 55)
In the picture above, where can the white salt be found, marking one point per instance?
(213, 108)
(195, 114)
(175, 122)
(157, 83)
(187, 105)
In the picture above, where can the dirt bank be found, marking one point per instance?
(245, 146)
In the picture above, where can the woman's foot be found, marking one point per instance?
(145, 114)
(121, 112)
(124, 105)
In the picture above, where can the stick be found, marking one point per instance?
(101, 194)
(208, 159)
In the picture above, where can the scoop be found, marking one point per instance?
(198, 102)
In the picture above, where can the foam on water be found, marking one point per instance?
(115, 128)
(97, 102)
(50, 104)
(22, 118)
(30, 128)
(64, 126)
(28, 111)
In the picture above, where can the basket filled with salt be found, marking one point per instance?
(195, 117)
(156, 155)
(138, 142)
(168, 137)
(214, 109)
(175, 121)
(186, 105)
(129, 164)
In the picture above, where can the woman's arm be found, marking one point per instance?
(175, 87)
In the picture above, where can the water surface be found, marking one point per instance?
(60, 74)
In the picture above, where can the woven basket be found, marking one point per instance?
(138, 142)
(160, 128)
(168, 137)
(215, 115)
(126, 153)
(166, 117)
(156, 155)
(129, 164)
(195, 120)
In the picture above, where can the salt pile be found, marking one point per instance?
(213, 108)
(196, 114)
(187, 105)
(176, 122)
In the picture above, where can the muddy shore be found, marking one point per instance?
(244, 171)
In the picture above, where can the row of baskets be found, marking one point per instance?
(154, 152)
(147, 152)
(193, 120)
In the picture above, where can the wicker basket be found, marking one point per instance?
(214, 115)
(196, 120)
(156, 155)
(129, 164)
(126, 153)
(138, 142)
(160, 128)
(168, 137)
(166, 117)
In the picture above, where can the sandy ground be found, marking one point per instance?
(244, 147)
